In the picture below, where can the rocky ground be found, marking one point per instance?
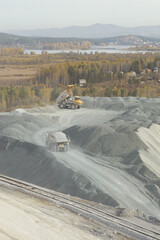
(30, 218)
(114, 155)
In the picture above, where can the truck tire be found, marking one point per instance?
(47, 145)
(73, 106)
(50, 146)
(61, 105)
(57, 148)
(65, 148)
(54, 148)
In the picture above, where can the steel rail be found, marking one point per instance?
(84, 209)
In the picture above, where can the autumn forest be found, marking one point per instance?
(29, 79)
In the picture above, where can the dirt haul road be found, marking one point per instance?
(107, 177)
(104, 158)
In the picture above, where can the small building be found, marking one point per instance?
(150, 79)
(143, 82)
(148, 71)
(110, 73)
(132, 74)
(155, 70)
(82, 82)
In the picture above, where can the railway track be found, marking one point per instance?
(84, 209)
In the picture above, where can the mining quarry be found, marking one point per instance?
(113, 157)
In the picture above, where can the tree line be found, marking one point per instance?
(92, 71)
(116, 62)
(23, 96)
(68, 45)
(58, 70)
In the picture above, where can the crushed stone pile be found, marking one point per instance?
(110, 160)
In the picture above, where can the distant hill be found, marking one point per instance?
(9, 40)
(126, 40)
(93, 31)
(27, 42)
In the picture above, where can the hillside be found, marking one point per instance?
(9, 40)
(125, 40)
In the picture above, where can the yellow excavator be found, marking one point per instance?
(67, 100)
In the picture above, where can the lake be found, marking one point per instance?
(99, 49)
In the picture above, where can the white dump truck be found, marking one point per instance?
(57, 141)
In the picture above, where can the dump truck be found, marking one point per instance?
(67, 100)
(57, 141)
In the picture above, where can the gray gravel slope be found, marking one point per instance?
(104, 163)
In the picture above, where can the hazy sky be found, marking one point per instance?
(36, 14)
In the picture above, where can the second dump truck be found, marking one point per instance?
(57, 141)
(67, 100)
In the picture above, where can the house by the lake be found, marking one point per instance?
(82, 82)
